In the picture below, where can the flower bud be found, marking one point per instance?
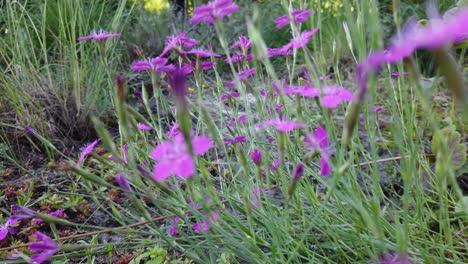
(256, 157)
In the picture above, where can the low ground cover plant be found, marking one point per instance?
(289, 162)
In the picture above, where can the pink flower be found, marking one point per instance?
(142, 126)
(200, 52)
(178, 42)
(100, 35)
(5, 228)
(297, 16)
(301, 40)
(173, 230)
(281, 125)
(284, 51)
(244, 43)
(204, 65)
(335, 95)
(276, 164)
(45, 245)
(173, 158)
(20, 212)
(122, 181)
(256, 157)
(235, 140)
(86, 150)
(216, 9)
(233, 122)
(318, 141)
(157, 65)
(203, 226)
(174, 130)
(236, 57)
(242, 76)
(233, 94)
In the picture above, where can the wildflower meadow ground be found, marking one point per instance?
(339, 143)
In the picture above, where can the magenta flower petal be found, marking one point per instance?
(282, 125)
(162, 171)
(324, 167)
(46, 247)
(216, 9)
(201, 145)
(100, 35)
(86, 150)
(302, 40)
(184, 166)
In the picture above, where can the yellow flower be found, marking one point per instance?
(156, 5)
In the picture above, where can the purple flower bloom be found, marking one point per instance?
(242, 76)
(174, 130)
(142, 126)
(30, 130)
(179, 41)
(45, 245)
(256, 157)
(398, 74)
(378, 109)
(298, 172)
(335, 95)
(157, 65)
(236, 57)
(281, 125)
(204, 65)
(5, 228)
(100, 35)
(233, 122)
(244, 43)
(200, 52)
(276, 164)
(173, 230)
(86, 150)
(301, 40)
(318, 141)
(297, 16)
(235, 140)
(177, 80)
(234, 94)
(216, 9)
(122, 181)
(203, 225)
(284, 51)
(173, 158)
(21, 212)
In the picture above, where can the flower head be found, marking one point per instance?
(297, 172)
(318, 141)
(45, 245)
(216, 9)
(174, 159)
(242, 76)
(235, 140)
(335, 95)
(122, 181)
(100, 35)
(178, 42)
(157, 65)
(203, 226)
(301, 40)
(256, 157)
(86, 150)
(5, 228)
(202, 53)
(297, 16)
(244, 43)
(282, 125)
(21, 212)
